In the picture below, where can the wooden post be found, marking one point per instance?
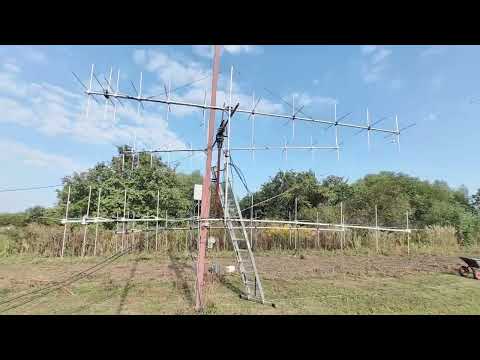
(96, 225)
(318, 234)
(66, 218)
(86, 225)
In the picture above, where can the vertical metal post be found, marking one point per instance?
(118, 82)
(376, 230)
(318, 233)
(253, 126)
(289, 231)
(66, 218)
(116, 234)
(343, 227)
(293, 117)
(88, 92)
(106, 99)
(227, 151)
(408, 237)
(139, 94)
(134, 227)
(368, 130)
(165, 234)
(336, 133)
(123, 220)
(86, 225)
(146, 240)
(296, 228)
(398, 132)
(156, 226)
(251, 222)
(96, 225)
(205, 211)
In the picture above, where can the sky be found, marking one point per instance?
(46, 133)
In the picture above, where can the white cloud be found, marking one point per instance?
(207, 50)
(238, 49)
(53, 111)
(11, 67)
(380, 55)
(433, 50)
(375, 63)
(182, 71)
(203, 50)
(316, 82)
(367, 49)
(430, 117)
(32, 53)
(12, 150)
(304, 99)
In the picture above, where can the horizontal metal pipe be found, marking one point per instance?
(204, 106)
(298, 224)
(266, 147)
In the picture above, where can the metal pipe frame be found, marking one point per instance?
(297, 223)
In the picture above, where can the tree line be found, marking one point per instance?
(302, 195)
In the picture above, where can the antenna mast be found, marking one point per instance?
(207, 179)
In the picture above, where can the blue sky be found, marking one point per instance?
(46, 135)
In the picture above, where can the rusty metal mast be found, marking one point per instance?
(207, 179)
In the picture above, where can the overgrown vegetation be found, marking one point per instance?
(394, 194)
(447, 217)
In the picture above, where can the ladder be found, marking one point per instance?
(241, 245)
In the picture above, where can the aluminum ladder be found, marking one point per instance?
(241, 246)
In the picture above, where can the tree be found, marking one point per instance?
(142, 183)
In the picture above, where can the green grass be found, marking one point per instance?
(418, 294)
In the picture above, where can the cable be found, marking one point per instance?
(76, 277)
(30, 188)
(273, 197)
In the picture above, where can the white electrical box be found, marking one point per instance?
(211, 241)
(230, 269)
(197, 192)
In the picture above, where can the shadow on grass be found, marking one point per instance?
(230, 285)
(128, 285)
(85, 307)
(179, 269)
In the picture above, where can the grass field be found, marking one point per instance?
(314, 284)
